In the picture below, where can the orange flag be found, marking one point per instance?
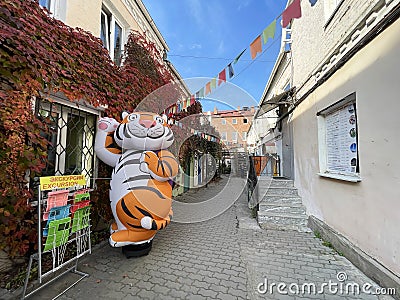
(255, 47)
(208, 88)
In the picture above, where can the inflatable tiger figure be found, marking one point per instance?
(140, 187)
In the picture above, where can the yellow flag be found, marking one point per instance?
(269, 32)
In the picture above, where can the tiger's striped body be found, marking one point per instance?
(140, 192)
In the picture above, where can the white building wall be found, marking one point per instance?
(368, 212)
(315, 39)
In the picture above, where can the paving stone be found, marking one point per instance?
(214, 269)
(161, 290)
(207, 293)
(224, 296)
(212, 280)
(201, 284)
(221, 276)
(185, 281)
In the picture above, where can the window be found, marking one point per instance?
(223, 136)
(104, 30)
(45, 3)
(245, 121)
(287, 87)
(234, 121)
(244, 135)
(70, 133)
(338, 140)
(223, 122)
(117, 44)
(56, 7)
(234, 137)
(111, 34)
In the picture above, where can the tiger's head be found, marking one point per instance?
(143, 131)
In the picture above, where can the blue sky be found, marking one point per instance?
(204, 36)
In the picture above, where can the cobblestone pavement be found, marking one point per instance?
(227, 257)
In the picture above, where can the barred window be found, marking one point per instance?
(70, 133)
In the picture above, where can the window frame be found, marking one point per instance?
(106, 42)
(63, 112)
(322, 115)
(49, 5)
(234, 121)
(224, 136)
(57, 8)
(244, 136)
(118, 60)
(234, 136)
(110, 22)
(223, 122)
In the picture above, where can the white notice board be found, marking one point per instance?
(341, 140)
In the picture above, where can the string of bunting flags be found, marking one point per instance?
(292, 11)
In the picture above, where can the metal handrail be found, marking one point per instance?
(251, 180)
(252, 177)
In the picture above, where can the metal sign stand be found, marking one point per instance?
(67, 228)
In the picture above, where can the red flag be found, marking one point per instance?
(293, 11)
(255, 47)
(192, 100)
(221, 77)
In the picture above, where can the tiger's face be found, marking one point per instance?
(143, 131)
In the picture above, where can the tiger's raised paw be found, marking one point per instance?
(107, 124)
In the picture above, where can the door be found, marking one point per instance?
(287, 160)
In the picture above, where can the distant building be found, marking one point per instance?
(233, 126)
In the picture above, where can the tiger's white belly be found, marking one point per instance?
(126, 175)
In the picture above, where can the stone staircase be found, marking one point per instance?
(281, 207)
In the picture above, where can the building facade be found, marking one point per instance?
(344, 120)
(110, 20)
(73, 124)
(233, 126)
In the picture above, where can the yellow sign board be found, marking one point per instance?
(54, 182)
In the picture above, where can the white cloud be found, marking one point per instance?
(196, 10)
(243, 4)
(179, 47)
(221, 47)
(195, 46)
